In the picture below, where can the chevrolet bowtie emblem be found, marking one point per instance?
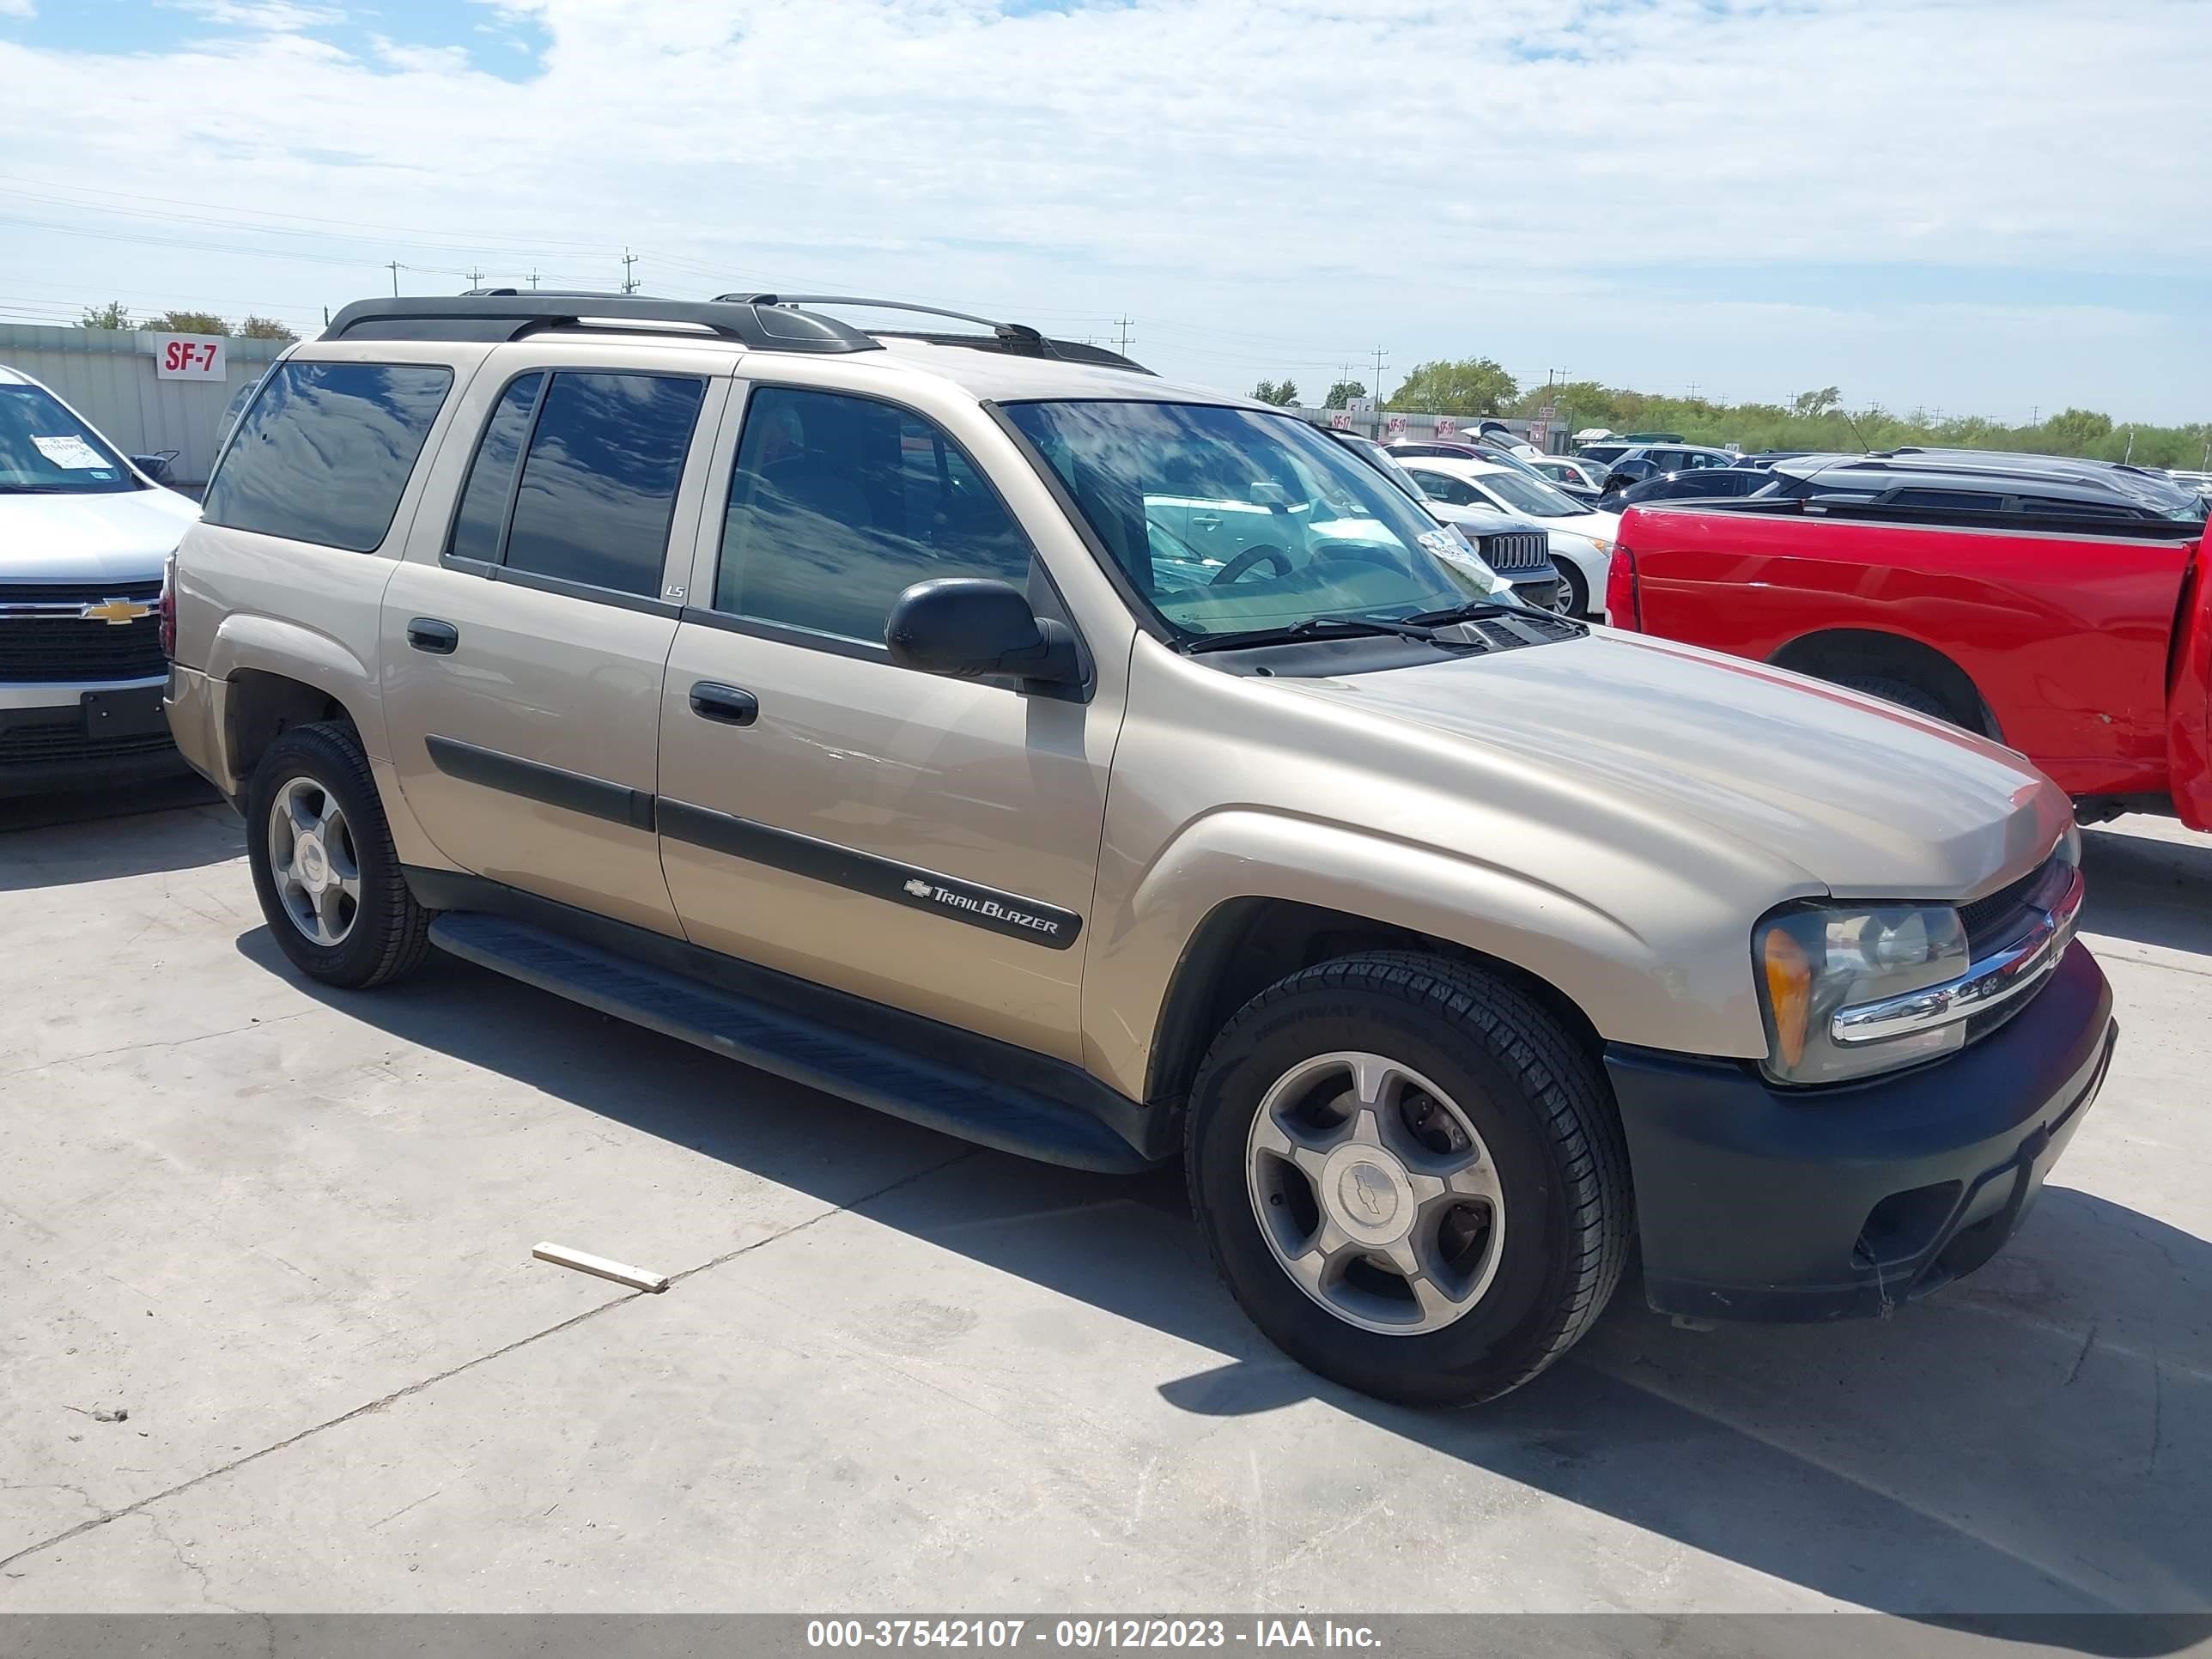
(116, 611)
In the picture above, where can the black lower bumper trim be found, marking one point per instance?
(1758, 1203)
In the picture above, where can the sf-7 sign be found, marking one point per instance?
(188, 356)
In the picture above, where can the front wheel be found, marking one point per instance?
(323, 865)
(1411, 1176)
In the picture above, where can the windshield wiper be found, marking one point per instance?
(1472, 611)
(33, 490)
(1308, 628)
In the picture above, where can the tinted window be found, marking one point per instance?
(325, 450)
(482, 513)
(1948, 500)
(1443, 487)
(839, 504)
(598, 485)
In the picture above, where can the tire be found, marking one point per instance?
(1577, 592)
(382, 934)
(1904, 693)
(1544, 1124)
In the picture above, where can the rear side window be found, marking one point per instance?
(327, 450)
(601, 457)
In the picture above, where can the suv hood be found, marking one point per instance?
(118, 537)
(1862, 799)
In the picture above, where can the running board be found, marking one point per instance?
(891, 1079)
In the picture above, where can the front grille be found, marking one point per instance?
(1995, 921)
(63, 738)
(1516, 549)
(66, 647)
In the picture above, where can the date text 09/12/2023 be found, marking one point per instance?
(1108, 1633)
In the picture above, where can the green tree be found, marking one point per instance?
(188, 322)
(1466, 385)
(1281, 393)
(1341, 394)
(265, 328)
(111, 315)
(1811, 405)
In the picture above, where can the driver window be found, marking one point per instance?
(838, 504)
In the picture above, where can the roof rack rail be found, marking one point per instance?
(1018, 339)
(509, 313)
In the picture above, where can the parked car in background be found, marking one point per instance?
(818, 696)
(1570, 469)
(1580, 538)
(1605, 451)
(1479, 450)
(1643, 461)
(83, 533)
(2064, 608)
(1514, 552)
(1703, 483)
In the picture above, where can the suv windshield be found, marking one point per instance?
(46, 451)
(1232, 521)
(1536, 497)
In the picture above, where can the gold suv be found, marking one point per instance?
(973, 724)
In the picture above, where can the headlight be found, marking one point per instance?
(1811, 961)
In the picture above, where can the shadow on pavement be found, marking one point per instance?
(2150, 889)
(51, 841)
(2037, 1439)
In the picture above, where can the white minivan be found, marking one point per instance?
(84, 534)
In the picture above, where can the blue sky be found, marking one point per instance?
(1976, 205)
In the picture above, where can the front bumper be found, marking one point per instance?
(52, 736)
(1759, 1203)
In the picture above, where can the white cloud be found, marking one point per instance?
(18, 9)
(1267, 186)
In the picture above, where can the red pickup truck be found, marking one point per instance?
(2064, 608)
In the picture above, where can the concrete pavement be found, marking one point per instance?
(288, 1231)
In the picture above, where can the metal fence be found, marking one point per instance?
(108, 376)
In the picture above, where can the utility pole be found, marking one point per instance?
(533, 277)
(1382, 356)
(1122, 323)
(394, 268)
(629, 282)
(476, 279)
(2035, 415)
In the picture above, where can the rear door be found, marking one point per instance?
(525, 634)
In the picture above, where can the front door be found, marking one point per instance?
(925, 842)
(523, 650)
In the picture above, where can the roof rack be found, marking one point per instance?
(763, 322)
(506, 314)
(1017, 339)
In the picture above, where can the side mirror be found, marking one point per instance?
(155, 467)
(967, 627)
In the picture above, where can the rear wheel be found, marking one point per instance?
(323, 865)
(1410, 1176)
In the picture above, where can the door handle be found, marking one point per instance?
(1210, 520)
(725, 703)
(429, 633)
